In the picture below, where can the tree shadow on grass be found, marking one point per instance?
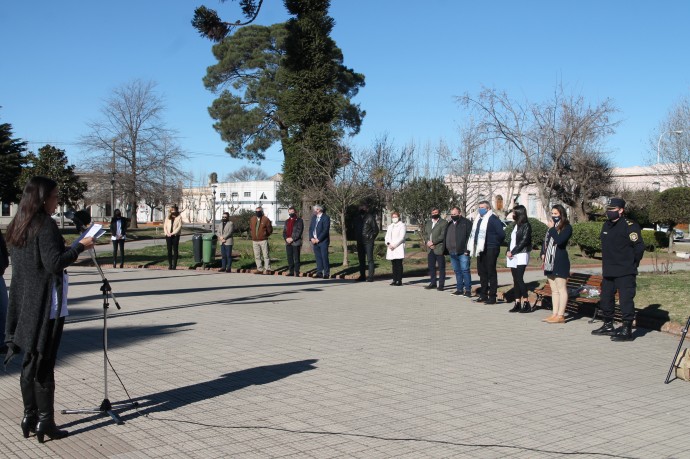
(172, 399)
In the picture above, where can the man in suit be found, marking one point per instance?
(485, 244)
(319, 230)
(436, 231)
(366, 231)
(292, 234)
(224, 233)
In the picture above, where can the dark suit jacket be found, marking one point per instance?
(297, 230)
(437, 235)
(322, 230)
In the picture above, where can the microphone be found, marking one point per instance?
(80, 218)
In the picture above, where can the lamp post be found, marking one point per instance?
(214, 186)
(658, 151)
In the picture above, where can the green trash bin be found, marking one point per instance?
(209, 247)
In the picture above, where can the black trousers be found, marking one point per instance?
(519, 286)
(293, 252)
(121, 244)
(365, 250)
(173, 243)
(397, 265)
(486, 268)
(41, 368)
(433, 261)
(627, 287)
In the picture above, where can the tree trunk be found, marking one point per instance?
(344, 235)
(306, 217)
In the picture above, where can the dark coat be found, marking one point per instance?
(36, 267)
(523, 239)
(463, 231)
(366, 228)
(124, 223)
(561, 264)
(323, 229)
(4, 256)
(622, 248)
(297, 230)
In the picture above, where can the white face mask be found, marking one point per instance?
(395, 219)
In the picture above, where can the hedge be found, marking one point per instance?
(586, 235)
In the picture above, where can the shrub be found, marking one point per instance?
(586, 235)
(538, 233)
(654, 239)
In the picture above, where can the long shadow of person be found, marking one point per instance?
(172, 399)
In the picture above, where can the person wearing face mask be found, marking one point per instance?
(173, 228)
(458, 233)
(261, 228)
(622, 249)
(319, 236)
(436, 230)
(118, 230)
(485, 244)
(366, 231)
(224, 233)
(518, 257)
(554, 254)
(395, 244)
(292, 235)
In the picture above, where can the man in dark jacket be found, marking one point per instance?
(319, 235)
(436, 230)
(366, 231)
(458, 233)
(292, 234)
(261, 228)
(485, 244)
(622, 249)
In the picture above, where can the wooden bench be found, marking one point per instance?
(579, 305)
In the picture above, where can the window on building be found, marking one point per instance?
(532, 205)
(235, 194)
(5, 209)
(247, 194)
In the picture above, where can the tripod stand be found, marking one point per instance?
(106, 407)
(680, 346)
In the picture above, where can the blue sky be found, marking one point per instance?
(62, 59)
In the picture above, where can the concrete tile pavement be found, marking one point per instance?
(239, 365)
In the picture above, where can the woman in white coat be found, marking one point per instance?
(395, 243)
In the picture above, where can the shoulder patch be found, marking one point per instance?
(630, 223)
(633, 237)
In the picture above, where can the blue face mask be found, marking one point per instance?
(482, 211)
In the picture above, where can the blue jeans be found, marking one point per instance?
(461, 266)
(225, 257)
(3, 309)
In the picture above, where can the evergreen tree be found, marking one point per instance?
(11, 163)
(51, 162)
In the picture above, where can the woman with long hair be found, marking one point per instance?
(173, 228)
(118, 230)
(554, 254)
(38, 301)
(518, 257)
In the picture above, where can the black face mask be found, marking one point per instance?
(435, 216)
(455, 217)
(225, 219)
(259, 214)
(292, 215)
(612, 215)
(556, 219)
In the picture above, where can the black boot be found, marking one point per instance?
(607, 329)
(526, 307)
(516, 307)
(624, 333)
(45, 399)
(30, 409)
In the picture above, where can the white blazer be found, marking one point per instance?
(395, 239)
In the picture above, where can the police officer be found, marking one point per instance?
(621, 251)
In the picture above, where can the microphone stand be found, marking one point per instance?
(106, 407)
(674, 363)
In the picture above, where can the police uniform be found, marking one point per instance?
(622, 249)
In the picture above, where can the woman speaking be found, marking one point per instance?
(38, 301)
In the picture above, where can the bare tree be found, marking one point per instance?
(247, 174)
(547, 135)
(131, 129)
(670, 145)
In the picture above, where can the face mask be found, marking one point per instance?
(293, 215)
(225, 219)
(455, 217)
(612, 215)
(259, 214)
(482, 211)
(556, 219)
(435, 216)
(395, 219)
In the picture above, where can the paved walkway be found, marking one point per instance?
(249, 366)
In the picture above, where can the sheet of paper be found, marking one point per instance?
(94, 231)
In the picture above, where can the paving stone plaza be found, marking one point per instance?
(251, 366)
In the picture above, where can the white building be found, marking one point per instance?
(197, 206)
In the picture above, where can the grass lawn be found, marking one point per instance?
(664, 296)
